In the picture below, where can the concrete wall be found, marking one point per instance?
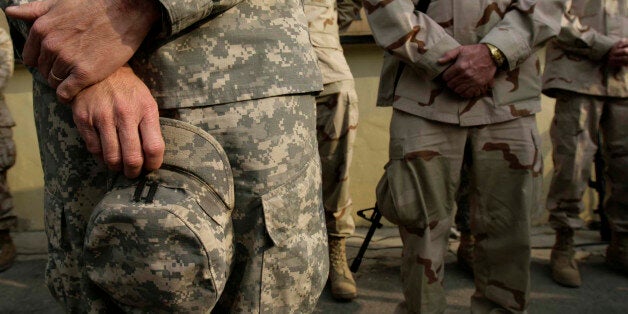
(371, 149)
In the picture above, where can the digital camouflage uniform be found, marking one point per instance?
(590, 97)
(7, 155)
(336, 124)
(431, 126)
(243, 71)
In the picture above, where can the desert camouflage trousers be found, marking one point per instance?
(279, 231)
(336, 124)
(505, 179)
(574, 132)
(7, 159)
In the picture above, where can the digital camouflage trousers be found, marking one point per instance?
(278, 220)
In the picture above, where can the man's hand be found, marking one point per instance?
(119, 121)
(76, 43)
(473, 71)
(618, 55)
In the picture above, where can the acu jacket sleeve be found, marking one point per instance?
(177, 15)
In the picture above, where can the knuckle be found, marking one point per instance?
(154, 150)
(133, 161)
(112, 160)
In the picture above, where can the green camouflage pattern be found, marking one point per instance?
(417, 40)
(7, 145)
(278, 223)
(336, 115)
(164, 242)
(574, 132)
(252, 50)
(281, 262)
(575, 60)
(422, 177)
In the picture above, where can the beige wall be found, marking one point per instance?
(26, 182)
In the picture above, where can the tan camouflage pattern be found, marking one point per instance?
(336, 115)
(231, 74)
(576, 59)
(7, 145)
(423, 175)
(322, 21)
(348, 11)
(336, 125)
(517, 28)
(577, 120)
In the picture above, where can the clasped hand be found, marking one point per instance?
(473, 70)
(81, 48)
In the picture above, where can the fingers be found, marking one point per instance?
(110, 146)
(131, 150)
(70, 87)
(152, 142)
(449, 56)
(28, 12)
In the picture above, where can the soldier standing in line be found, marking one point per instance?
(586, 72)
(7, 156)
(463, 73)
(336, 123)
(242, 71)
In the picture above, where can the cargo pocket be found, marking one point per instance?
(294, 207)
(296, 265)
(411, 193)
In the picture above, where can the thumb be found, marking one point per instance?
(449, 56)
(28, 12)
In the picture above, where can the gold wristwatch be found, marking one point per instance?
(497, 55)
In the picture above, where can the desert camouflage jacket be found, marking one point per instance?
(322, 18)
(517, 28)
(210, 52)
(576, 59)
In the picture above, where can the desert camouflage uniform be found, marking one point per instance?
(336, 115)
(589, 96)
(243, 72)
(430, 126)
(7, 146)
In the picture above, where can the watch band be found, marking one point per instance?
(497, 55)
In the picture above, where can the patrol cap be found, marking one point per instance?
(163, 242)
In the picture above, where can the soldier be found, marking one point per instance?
(243, 72)
(464, 73)
(7, 155)
(586, 73)
(336, 123)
